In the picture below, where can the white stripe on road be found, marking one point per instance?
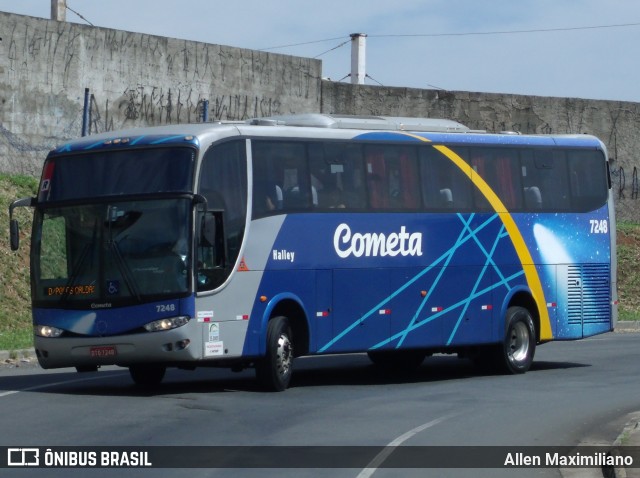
(47, 385)
(374, 464)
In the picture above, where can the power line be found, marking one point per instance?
(367, 75)
(497, 32)
(69, 8)
(334, 48)
(507, 32)
(300, 44)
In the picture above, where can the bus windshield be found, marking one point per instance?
(110, 173)
(115, 253)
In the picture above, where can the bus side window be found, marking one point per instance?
(407, 171)
(326, 178)
(589, 188)
(267, 197)
(444, 185)
(337, 175)
(392, 177)
(267, 183)
(499, 168)
(377, 177)
(291, 163)
(545, 180)
(281, 177)
(353, 180)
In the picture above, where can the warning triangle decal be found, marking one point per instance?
(243, 266)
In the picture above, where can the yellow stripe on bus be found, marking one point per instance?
(533, 279)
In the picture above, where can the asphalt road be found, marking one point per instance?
(575, 392)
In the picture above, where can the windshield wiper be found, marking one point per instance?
(80, 263)
(122, 265)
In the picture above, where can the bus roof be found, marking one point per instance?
(387, 123)
(322, 126)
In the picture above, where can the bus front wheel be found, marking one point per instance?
(274, 370)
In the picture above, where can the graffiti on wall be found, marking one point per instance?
(153, 105)
(157, 105)
(619, 178)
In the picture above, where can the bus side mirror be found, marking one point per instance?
(14, 233)
(200, 202)
(14, 228)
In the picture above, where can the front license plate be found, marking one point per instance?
(103, 351)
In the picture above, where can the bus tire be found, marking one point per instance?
(147, 375)
(515, 354)
(274, 370)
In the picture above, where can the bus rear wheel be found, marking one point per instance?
(274, 370)
(147, 375)
(515, 353)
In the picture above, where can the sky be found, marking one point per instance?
(580, 48)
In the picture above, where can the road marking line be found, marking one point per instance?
(374, 464)
(47, 385)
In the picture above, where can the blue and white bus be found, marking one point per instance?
(249, 244)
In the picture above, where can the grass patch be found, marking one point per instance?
(628, 274)
(15, 294)
(16, 339)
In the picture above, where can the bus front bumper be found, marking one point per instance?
(171, 346)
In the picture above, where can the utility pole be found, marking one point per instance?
(358, 60)
(59, 10)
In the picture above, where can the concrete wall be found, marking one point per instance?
(135, 79)
(138, 79)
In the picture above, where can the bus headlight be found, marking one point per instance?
(166, 324)
(47, 331)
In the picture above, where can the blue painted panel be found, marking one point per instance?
(360, 317)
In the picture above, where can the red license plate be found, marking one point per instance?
(104, 351)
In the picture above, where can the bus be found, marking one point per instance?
(249, 244)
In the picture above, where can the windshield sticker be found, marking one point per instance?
(113, 287)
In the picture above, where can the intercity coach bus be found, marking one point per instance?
(248, 244)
